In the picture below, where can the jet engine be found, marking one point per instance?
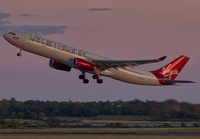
(83, 64)
(59, 66)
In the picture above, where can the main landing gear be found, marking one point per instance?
(19, 52)
(82, 76)
(99, 81)
(86, 81)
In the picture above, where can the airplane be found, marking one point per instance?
(64, 57)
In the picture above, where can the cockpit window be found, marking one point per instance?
(12, 33)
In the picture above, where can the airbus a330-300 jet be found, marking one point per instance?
(64, 57)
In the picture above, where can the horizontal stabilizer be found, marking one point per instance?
(178, 81)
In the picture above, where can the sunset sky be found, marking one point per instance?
(118, 29)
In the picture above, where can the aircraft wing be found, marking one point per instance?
(124, 63)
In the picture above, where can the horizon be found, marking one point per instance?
(69, 100)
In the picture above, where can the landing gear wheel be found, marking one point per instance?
(19, 54)
(95, 76)
(81, 76)
(85, 81)
(99, 81)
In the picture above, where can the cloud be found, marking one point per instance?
(100, 9)
(2, 17)
(38, 30)
(25, 15)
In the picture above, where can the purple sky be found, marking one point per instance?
(128, 29)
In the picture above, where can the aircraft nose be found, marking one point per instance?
(6, 36)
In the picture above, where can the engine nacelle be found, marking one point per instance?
(59, 66)
(83, 64)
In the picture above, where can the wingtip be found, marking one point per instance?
(162, 58)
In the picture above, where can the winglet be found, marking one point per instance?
(162, 58)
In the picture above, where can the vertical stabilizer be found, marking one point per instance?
(172, 69)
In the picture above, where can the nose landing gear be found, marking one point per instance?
(19, 52)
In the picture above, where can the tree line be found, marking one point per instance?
(166, 110)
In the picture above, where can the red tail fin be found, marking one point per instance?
(172, 69)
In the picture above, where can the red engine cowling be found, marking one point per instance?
(59, 66)
(83, 64)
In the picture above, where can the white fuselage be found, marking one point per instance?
(65, 54)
